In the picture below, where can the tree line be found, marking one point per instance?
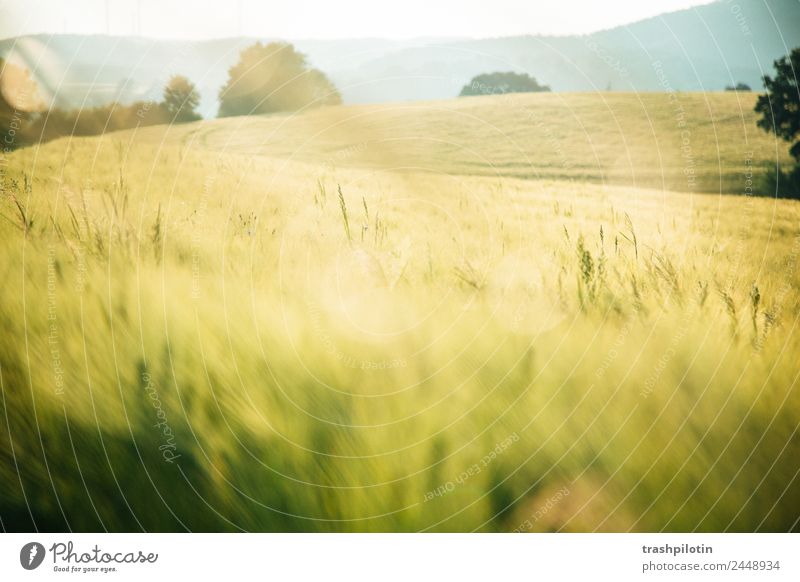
(267, 78)
(26, 120)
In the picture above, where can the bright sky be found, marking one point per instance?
(295, 19)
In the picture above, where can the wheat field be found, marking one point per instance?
(539, 313)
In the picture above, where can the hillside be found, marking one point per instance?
(699, 49)
(314, 323)
(688, 142)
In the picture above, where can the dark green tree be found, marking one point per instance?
(181, 100)
(499, 83)
(780, 106)
(274, 77)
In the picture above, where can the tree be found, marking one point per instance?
(274, 77)
(181, 99)
(498, 83)
(738, 87)
(780, 106)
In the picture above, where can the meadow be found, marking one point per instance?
(538, 313)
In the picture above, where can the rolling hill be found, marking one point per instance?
(690, 142)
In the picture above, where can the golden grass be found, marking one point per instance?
(688, 142)
(477, 344)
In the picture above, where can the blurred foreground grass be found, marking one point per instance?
(190, 341)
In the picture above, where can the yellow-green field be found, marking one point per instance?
(508, 332)
(688, 142)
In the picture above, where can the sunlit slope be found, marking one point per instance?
(690, 142)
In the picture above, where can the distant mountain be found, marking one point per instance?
(702, 48)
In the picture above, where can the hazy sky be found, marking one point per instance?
(325, 18)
